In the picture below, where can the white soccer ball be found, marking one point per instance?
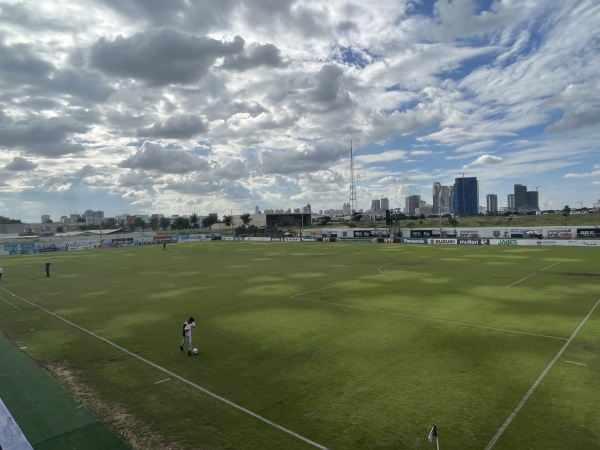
(195, 351)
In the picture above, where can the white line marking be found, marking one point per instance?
(538, 381)
(414, 316)
(573, 362)
(180, 378)
(348, 282)
(162, 381)
(529, 276)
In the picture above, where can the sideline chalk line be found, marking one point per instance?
(538, 381)
(180, 378)
(529, 276)
(413, 316)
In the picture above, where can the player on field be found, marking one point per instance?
(187, 334)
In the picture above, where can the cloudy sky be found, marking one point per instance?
(175, 107)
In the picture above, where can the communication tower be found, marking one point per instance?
(352, 183)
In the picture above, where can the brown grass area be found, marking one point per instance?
(135, 433)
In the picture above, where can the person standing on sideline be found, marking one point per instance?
(47, 270)
(164, 246)
(187, 334)
(1, 271)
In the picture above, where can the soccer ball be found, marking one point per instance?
(195, 351)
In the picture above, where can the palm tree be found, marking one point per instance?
(194, 220)
(228, 221)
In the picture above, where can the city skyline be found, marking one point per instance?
(441, 203)
(213, 107)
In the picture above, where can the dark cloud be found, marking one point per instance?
(45, 137)
(152, 156)
(258, 55)
(136, 178)
(575, 118)
(20, 65)
(161, 57)
(183, 126)
(233, 171)
(198, 16)
(305, 158)
(19, 164)
(328, 83)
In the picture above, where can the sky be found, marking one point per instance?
(181, 107)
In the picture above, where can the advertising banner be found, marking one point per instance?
(507, 242)
(588, 232)
(473, 241)
(442, 241)
(414, 241)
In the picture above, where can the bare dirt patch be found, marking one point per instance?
(135, 433)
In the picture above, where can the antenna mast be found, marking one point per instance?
(352, 184)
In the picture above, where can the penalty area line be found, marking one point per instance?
(178, 377)
(538, 381)
(529, 276)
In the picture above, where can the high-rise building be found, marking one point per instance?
(510, 202)
(93, 217)
(437, 192)
(521, 198)
(492, 203)
(441, 199)
(375, 206)
(533, 201)
(466, 196)
(45, 218)
(385, 204)
(411, 204)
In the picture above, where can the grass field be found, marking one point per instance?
(304, 345)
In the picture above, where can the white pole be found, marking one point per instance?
(437, 443)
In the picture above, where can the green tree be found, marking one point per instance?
(194, 220)
(180, 223)
(246, 219)
(566, 212)
(153, 223)
(208, 221)
(453, 223)
(325, 220)
(6, 220)
(228, 221)
(109, 223)
(59, 229)
(164, 223)
(356, 217)
(139, 222)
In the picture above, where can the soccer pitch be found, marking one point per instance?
(322, 345)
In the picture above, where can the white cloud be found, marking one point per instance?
(255, 102)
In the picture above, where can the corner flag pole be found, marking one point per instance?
(433, 434)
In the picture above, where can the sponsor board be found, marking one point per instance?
(588, 232)
(472, 234)
(558, 233)
(473, 241)
(506, 242)
(442, 241)
(414, 241)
